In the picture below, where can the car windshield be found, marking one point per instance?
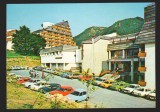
(131, 86)
(140, 89)
(76, 93)
(98, 79)
(60, 89)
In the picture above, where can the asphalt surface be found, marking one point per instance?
(103, 97)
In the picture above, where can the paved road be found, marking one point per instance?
(103, 97)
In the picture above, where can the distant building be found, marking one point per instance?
(9, 37)
(56, 34)
(61, 57)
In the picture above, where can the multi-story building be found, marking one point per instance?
(94, 54)
(134, 54)
(61, 57)
(9, 43)
(56, 34)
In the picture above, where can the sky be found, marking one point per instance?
(79, 15)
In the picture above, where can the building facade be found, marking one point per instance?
(94, 52)
(61, 57)
(56, 34)
(134, 54)
(9, 37)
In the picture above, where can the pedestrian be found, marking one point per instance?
(42, 74)
(34, 74)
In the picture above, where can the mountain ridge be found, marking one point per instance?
(122, 27)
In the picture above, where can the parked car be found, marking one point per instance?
(12, 74)
(74, 76)
(141, 91)
(106, 84)
(85, 78)
(23, 80)
(118, 86)
(51, 87)
(48, 70)
(31, 82)
(66, 74)
(15, 68)
(97, 81)
(38, 68)
(39, 85)
(78, 95)
(130, 88)
(151, 95)
(64, 90)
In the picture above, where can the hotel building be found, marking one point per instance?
(56, 34)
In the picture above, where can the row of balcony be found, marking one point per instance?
(141, 54)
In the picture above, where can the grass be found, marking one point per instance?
(19, 97)
(12, 54)
(15, 59)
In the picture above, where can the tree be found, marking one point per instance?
(27, 43)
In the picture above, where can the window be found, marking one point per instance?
(80, 94)
(84, 93)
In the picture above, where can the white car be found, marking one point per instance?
(12, 74)
(39, 85)
(31, 82)
(152, 95)
(78, 95)
(130, 88)
(142, 91)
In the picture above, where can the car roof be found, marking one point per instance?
(80, 90)
(66, 86)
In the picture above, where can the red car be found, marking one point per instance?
(64, 90)
(23, 80)
(86, 78)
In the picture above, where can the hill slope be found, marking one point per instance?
(122, 27)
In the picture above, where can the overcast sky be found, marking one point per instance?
(79, 15)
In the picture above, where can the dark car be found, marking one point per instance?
(66, 74)
(39, 68)
(51, 87)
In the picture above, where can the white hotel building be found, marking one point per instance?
(61, 57)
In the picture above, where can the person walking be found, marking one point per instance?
(42, 74)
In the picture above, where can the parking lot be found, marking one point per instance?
(101, 96)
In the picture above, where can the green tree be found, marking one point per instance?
(27, 43)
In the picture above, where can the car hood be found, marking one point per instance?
(128, 88)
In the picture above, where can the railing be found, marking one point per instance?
(142, 69)
(142, 54)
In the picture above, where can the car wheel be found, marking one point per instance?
(29, 86)
(87, 99)
(76, 101)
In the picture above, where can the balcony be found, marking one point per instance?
(142, 83)
(142, 54)
(141, 69)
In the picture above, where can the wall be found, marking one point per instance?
(100, 55)
(150, 64)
